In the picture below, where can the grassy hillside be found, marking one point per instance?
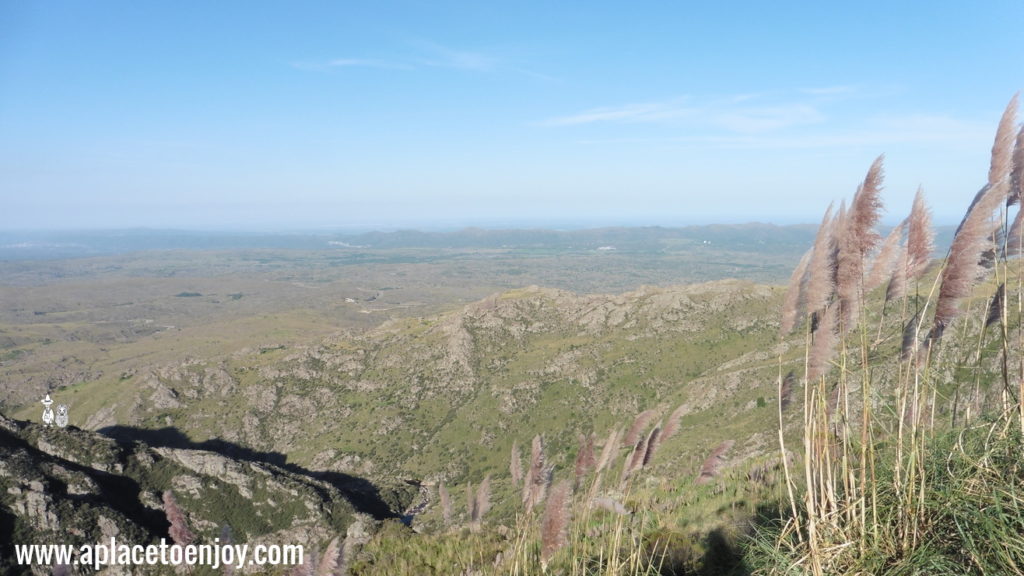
(444, 397)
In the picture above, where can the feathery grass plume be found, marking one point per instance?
(1002, 148)
(308, 565)
(672, 426)
(999, 168)
(819, 269)
(855, 239)
(710, 467)
(786, 390)
(528, 479)
(920, 237)
(584, 458)
(886, 260)
(303, 569)
(446, 504)
(515, 466)
(823, 345)
(538, 476)
(995, 306)
(639, 425)
(555, 524)
(482, 502)
(897, 287)
(866, 209)
(1017, 170)
(974, 236)
(635, 460)
(909, 345)
(178, 531)
(963, 266)
(609, 450)
(471, 513)
(331, 559)
(835, 242)
(226, 539)
(653, 440)
(1013, 236)
(794, 292)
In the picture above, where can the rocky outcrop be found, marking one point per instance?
(72, 487)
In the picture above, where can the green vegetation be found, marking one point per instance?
(910, 436)
(881, 434)
(912, 424)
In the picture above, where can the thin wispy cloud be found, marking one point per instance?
(438, 56)
(769, 118)
(426, 54)
(742, 113)
(366, 63)
(874, 132)
(640, 112)
(352, 63)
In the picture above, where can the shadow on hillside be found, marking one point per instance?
(363, 494)
(723, 556)
(724, 551)
(719, 552)
(7, 537)
(119, 493)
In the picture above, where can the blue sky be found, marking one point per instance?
(343, 114)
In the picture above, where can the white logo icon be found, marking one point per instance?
(62, 415)
(47, 411)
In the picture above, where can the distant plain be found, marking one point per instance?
(78, 306)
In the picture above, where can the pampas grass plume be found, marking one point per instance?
(819, 269)
(887, 259)
(178, 531)
(920, 237)
(639, 424)
(446, 504)
(786, 390)
(962, 267)
(1003, 147)
(823, 345)
(855, 239)
(794, 294)
(482, 501)
(710, 467)
(331, 559)
(584, 458)
(672, 426)
(515, 466)
(1013, 238)
(653, 441)
(1017, 170)
(555, 524)
(609, 450)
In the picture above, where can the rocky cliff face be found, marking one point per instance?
(73, 487)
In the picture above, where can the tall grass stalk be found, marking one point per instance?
(870, 480)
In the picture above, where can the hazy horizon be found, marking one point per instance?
(235, 115)
(426, 227)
